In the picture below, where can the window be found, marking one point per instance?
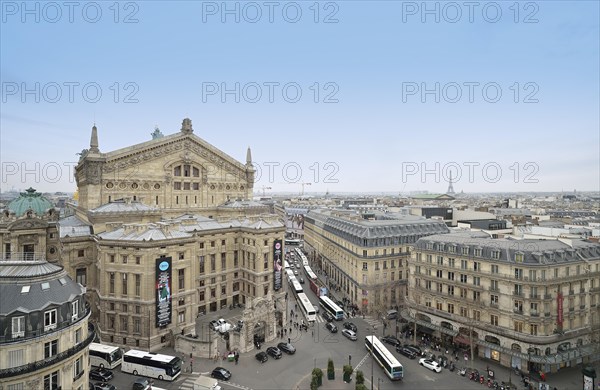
(495, 254)
(265, 290)
(78, 336)
(364, 267)
(81, 276)
(138, 260)
(81, 253)
(465, 250)
(476, 266)
(464, 312)
(440, 260)
(223, 261)
(450, 290)
(494, 268)
(463, 278)
(51, 381)
(201, 296)
(494, 300)
(181, 317)
(111, 282)
(18, 327)
(124, 324)
(451, 262)
(50, 320)
(201, 265)
(124, 286)
(494, 320)
(494, 285)
(15, 358)
(137, 325)
(478, 252)
(439, 273)
(181, 278)
(518, 326)
(124, 259)
(450, 308)
(50, 349)
(518, 273)
(213, 292)
(124, 308)
(78, 368)
(533, 329)
(376, 266)
(476, 296)
(213, 261)
(235, 259)
(463, 264)
(518, 307)
(111, 258)
(519, 257)
(476, 280)
(74, 310)
(138, 285)
(450, 275)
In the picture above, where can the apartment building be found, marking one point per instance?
(531, 304)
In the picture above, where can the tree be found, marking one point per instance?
(360, 387)
(360, 377)
(347, 373)
(330, 370)
(317, 377)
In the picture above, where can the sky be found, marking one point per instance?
(349, 96)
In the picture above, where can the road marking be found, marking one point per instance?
(361, 362)
(429, 378)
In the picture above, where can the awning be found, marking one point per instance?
(425, 330)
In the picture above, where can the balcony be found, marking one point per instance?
(534, 313)
(534, 296)
(41, 364)
(546, 314)
(517, 311)
(518, 293)
(29, 256)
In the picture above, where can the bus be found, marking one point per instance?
(286, 265)
(309, 272)
(386, 360)
(154, 365)
(296, 286)
(290, 274)
(307, 307)
(331, 307)
(105, 356)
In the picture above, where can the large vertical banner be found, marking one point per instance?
(559, 309)
(163, 291)
(277, 264)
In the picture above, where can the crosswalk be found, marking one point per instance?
(374, 322)
(188, 384)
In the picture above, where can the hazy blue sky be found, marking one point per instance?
(517, 90)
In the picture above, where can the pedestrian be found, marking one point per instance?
(313, 332)
(237, 357)
(285, 331)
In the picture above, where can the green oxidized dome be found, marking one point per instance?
(30, 200)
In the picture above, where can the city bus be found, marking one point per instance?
(309, 272)
(153, 365)
(286, 265)
(105, 356)
(290, 274)
(331, 307)
(296, 286)
(307, 307)
(386, 360)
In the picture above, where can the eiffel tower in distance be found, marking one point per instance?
(450, 190)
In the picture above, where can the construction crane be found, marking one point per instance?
(304, 184)
(265, 188)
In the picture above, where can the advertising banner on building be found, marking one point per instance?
(163, 291)
(277, 264)
(559, 306)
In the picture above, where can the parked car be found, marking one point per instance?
(101, 375)
(223, 326)
(262, 357)
(328, 316)
(350, 326)
(391, 340)
(316, 308)
(274, 352)
(301, 280)
(349, 334)
(415, 348)
(103, 386)
(221, 373)
(408, 352)
(331, 327)
(295, 272)
(287, 348)
(430, 364)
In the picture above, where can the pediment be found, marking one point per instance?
(28, 223)
(184, 147)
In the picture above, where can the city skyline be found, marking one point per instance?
(394, 97)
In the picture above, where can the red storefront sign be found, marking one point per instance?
(559, 305)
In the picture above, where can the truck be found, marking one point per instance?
(206, 383)
(223, 326)
(317, 287)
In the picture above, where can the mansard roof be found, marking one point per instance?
(73, 226)
(123, 206)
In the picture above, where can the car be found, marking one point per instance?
(301, 280)
(221, 373)
(141, 384)
(287, 348)
(430, 364)
(295, 272)
(408, 352)
(328, 316)
(103, 386)
(331, 327)
(349, 334)
(101, 375)
(350, 326)
(274, 352)
(262, 356)
(214, 324)
(316, 308)
(391, 340)
(415, 348)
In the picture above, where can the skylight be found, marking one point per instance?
(45, 286)
(62, 281)
(25, 289)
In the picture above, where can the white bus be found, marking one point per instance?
(296, 286)
(105, 356)
(286, 265)
(154, 365)
(386, 360)
(307, 307)
(290, 274)
(331, 307)
(309, 272)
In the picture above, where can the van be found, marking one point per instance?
(392, 314)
